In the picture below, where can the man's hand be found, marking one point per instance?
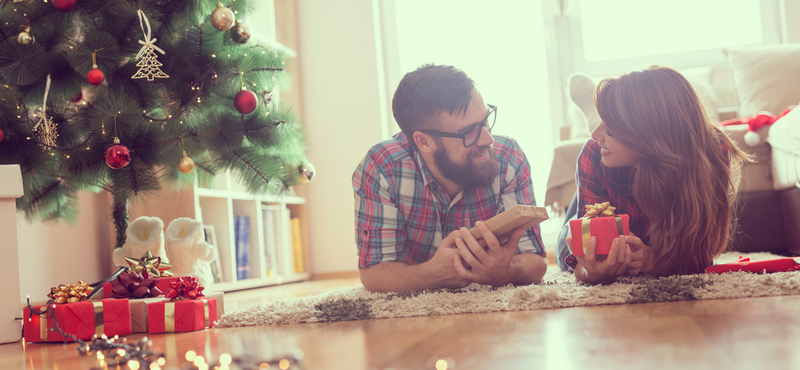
(489, 265)
(441, 268)
(617, 262)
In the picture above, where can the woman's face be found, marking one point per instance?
(614, 154)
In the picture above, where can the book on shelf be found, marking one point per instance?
(270, 213)
(211, 238)
(242, 239)
(297, 246)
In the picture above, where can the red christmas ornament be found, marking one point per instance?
(245, 101)
(117, 155)
(95, 76)
(65, 5)
(2, 135)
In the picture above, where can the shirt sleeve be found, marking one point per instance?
(518, 189)
(378, 223)
(588, 177)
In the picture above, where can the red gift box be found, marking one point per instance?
(81, 319)
(744, 264)
(605, 229)
(163, 286)
(180, 316)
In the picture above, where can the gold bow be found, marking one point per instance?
(152, 265)
(70, 293)
(599, 210)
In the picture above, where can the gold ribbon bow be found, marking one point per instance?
(152, 265)
(70, 293)
(597, 210)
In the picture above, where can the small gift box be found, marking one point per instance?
(187, 310)
(600, 222)
(744, 264)
(180, 316)
(140, 314)
(82, 319)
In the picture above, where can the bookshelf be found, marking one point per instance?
(271, 251)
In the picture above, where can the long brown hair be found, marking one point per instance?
(685, 184)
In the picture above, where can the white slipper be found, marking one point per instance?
(142, 235)
(581, 92)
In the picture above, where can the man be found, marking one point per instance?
(440, 176)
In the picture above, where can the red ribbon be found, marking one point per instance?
(132, 284)
(184, 288)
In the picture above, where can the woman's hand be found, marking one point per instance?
(643, 258)
(591, 270)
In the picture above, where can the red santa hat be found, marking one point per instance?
(754, 123)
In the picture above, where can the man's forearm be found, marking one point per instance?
(396, 277)
(528, 268)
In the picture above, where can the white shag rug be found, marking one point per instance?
(557, 289)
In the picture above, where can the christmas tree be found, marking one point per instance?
(122, 95)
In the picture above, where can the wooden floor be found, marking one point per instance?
(725, 334)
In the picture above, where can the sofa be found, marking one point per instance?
(761, 79)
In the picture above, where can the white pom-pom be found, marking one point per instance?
(751, 138)
(201, 250)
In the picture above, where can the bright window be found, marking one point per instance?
(611, 36)
(500, 45)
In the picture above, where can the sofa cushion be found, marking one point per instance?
(785, 140)
(767, 78)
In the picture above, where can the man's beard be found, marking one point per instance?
(468, 175)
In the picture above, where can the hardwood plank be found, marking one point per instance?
(731, 333)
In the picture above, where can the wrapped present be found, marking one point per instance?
(82, 319)
(601, 222)
(509, 220)
(187, 310)
(744, 264)
(140, 314)
(181, 316)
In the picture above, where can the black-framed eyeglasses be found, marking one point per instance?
(471, 134)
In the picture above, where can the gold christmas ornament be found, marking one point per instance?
(185, 164)
(148, 62)
(241, 32)
(305, 172)
(45, 129)
(25, 37)
(222, 17)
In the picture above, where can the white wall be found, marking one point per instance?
(58, 253)
(343, 112)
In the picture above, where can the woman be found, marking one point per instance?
(656, 158)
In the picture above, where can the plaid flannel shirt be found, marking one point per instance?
(402, 213)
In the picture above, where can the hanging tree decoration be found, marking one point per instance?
(65, 5)
(117, 155)
(95, 75)
(241, 32)
(185, 164)
(25, 37)
(45, 129)
(222, 17)
(245, 101)
(148, 66)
